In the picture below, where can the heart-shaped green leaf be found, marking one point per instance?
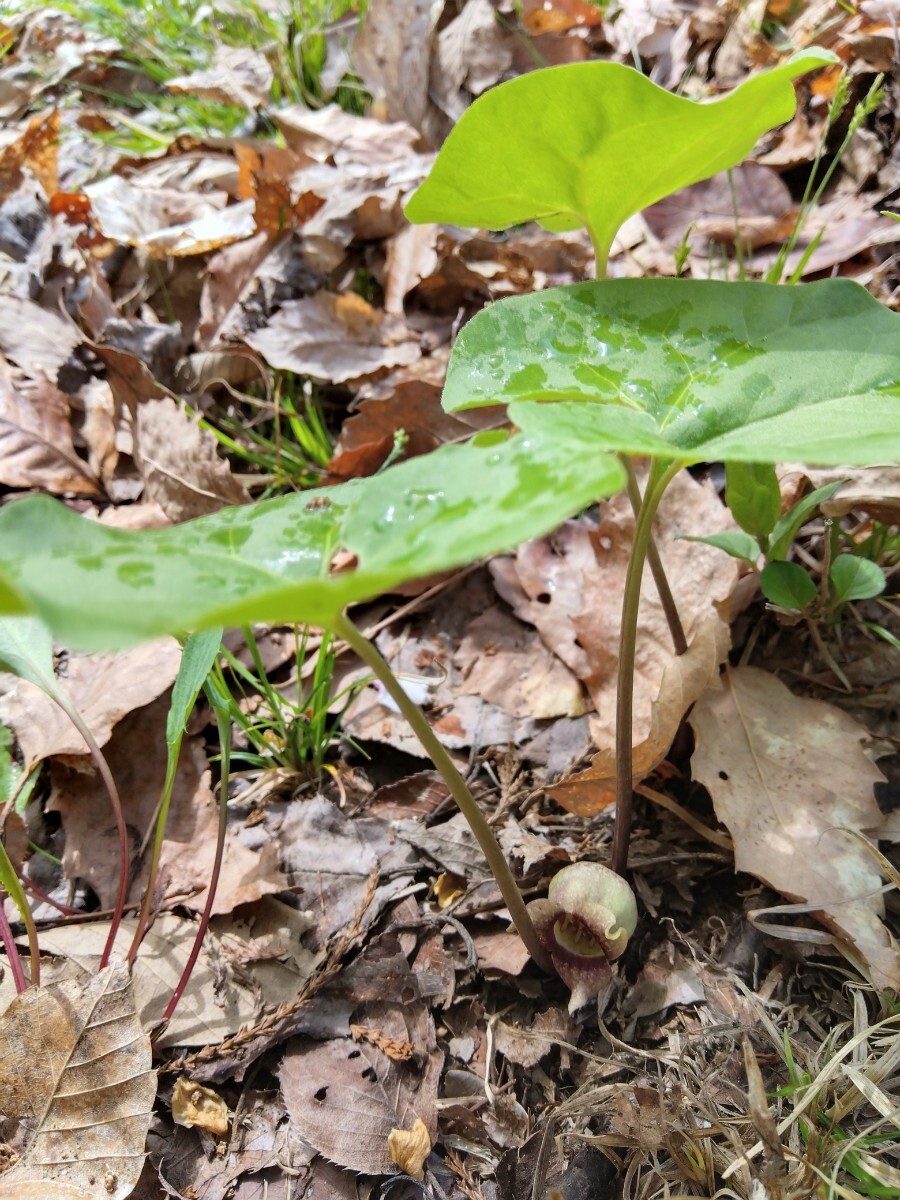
(855, 578)
(592, 143)
(297, 558)
(693, 370)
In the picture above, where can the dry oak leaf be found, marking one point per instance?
(789, 777)
(684, 680)
(334, 338)
(75, 1071)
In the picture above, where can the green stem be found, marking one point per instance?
(676, 629)
(344, 628)
(12, 950)
(11, 886)
(660, 477)
(601, 254)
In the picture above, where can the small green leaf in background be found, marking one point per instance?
(855, 578)
(787, 526)
(300, 558)
(593, 143)
(692, 370)
(738, 545)
(26, 650)
(787, 585)
(753, 495)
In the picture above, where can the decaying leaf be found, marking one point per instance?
(196, 1105)
(75, 1071)
(179, 460)
(334, 338)
(237, 75)
(410, 1148)
(684, 680)
(789, 776)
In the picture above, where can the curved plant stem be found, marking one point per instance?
(220, 706)
(12, 950)
(660, 476)
(676, 629)
(490, 847)
(11, 885)
(113, 792)
(162, 814)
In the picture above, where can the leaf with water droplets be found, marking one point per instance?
(692, 371)
(296, 558)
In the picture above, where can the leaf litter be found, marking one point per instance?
(177, 308)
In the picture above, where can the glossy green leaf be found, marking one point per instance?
(738, 545)
(592, 143)
(692, 371)
(753, 495)
(298, 558)
(855, 578)
(787, 585)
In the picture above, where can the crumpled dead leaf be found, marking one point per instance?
(789, 776)
(410, 1148)
(875, 490)
(570, 587)
(179, 460)
(684, 681)
(334, 338)
(196, 1105)
(75, 1071)
(237, 75)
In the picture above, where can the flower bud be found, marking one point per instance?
(585, 923)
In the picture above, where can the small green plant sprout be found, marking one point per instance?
(585, 923)
(681, 371)
(754, 497)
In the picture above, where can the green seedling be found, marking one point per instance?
(754, 497)
(679, 371)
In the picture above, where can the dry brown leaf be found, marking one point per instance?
(875, 490)
(35, 338)
(104, 688)
(684, 680)
(392, 55)
(165, 222)
(473, 52)
(760, 206)
(236, 75)
(75, 1070)
(368, 437)
(136, 753)
(35, 150)
(332, 135)
(570, 587)
(334, 338)
(345, 1097)
(559, 16)
(410, 1148)
(193, 1104)
(789, 776)
(36, 446)
(180, 462)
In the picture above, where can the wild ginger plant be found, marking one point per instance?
(595, 373)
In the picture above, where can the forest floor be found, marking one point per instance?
(209, 295)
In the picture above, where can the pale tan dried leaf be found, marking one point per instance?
(875, 490)
(193, 1104)
(684, 680)
(334, 338)
(75, 1070)
(410, 1148)
(570, 587)
(236, 75)
(36, 446)
(789, 776)
(165, 222)
(104, 688)
(473, 52)
(35, 338)
(180, 462)
(751, 200)
(392, 55)
(331, 135)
